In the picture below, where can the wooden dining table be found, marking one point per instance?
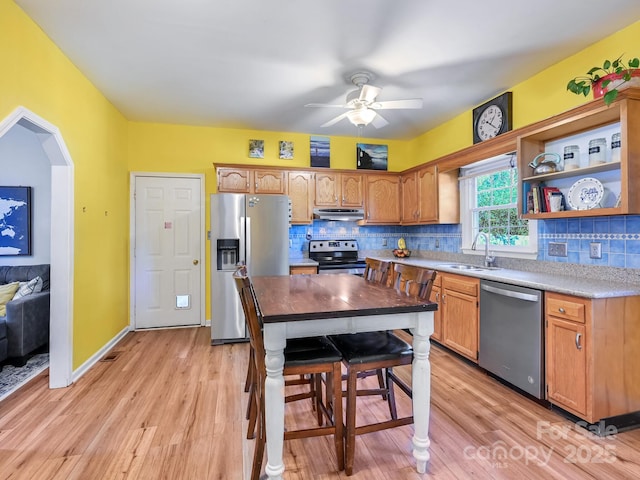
(313, 305)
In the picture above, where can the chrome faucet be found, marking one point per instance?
(489, 260)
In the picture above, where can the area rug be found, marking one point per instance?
(12, 378)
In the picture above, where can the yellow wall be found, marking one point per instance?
(172, 148)
(537, 98)
(36, 75)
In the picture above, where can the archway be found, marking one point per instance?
(62, 220)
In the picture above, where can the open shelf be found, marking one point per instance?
(592, 120)
(576, 172)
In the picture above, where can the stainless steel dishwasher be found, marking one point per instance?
(511, 335)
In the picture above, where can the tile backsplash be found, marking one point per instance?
(619, 237)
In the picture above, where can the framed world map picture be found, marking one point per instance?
(15, 220)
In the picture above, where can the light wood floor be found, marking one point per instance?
(170, 406)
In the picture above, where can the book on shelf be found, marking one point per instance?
(535, 189)
(546, 194)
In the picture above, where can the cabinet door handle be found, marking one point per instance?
(578, 337)
(444, 298)
(561, 310)
(256, 186)
(437, 296)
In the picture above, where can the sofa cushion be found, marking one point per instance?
(7, 291)
(26, 288)
(24, 273)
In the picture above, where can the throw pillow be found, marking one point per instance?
(26, 288)
(7, 291)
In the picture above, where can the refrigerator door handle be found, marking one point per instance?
(247, 238)
(242, 255)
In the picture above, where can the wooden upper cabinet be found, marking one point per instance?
(339, 190)
(270, 181)
(429, 196)
(410, 202)
(429, 201)
(301, 187)
(234, 180)
(382, 194)
(248, 180)
(327, 189)
(352, 189)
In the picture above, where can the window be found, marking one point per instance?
(489, 196)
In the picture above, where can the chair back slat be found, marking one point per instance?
(252, 317)
(376, 271)
(414, 281)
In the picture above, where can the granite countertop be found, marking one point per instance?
(583, 284)
(302, 262)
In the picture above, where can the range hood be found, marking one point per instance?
(339, 214)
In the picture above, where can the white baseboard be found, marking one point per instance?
(84, 368)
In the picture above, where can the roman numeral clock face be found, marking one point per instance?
(492, 118)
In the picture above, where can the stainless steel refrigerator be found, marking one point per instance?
(249, 229)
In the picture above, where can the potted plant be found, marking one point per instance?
(606, 79)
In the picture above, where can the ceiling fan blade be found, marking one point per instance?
(335, 120)
(325, 105)
(379, 121)
(408, 103)
(369, 93)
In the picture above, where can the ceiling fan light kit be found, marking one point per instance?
(361, 116)
(363, 105)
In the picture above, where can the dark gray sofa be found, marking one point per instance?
(27, 320)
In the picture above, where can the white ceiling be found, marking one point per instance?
(254, 64)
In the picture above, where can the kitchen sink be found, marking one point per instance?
(462, 266)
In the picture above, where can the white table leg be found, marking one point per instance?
(274, 343)
(421, 386)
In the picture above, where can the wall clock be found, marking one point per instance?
(492, 118)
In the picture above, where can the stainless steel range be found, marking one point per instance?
(336, 256)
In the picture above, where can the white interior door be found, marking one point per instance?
(167, 251)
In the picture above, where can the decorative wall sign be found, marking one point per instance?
(320, 152)
(286, 150)
(371, 157)
(256, 148)
(15, 220)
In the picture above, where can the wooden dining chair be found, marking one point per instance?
(321, 357)
(379, 351)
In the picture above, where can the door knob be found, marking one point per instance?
(195, 262)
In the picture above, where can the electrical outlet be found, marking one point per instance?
(557, 249)
(437, 243)
(595, 250)
(384, 242)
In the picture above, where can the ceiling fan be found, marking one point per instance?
(363, 106)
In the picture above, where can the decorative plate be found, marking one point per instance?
(585, 194)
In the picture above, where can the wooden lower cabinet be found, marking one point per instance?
(299, 270)
(459, 314)
(592, 361)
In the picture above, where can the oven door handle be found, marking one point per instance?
(510, 293)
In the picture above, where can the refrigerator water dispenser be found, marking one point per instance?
(227, 249)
